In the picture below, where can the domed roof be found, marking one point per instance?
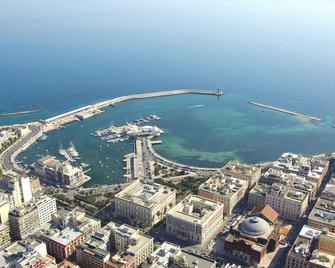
(254, 226)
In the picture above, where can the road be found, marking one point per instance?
(6, 160)
(146, 158)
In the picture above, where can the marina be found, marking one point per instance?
(129, 131)
(303, 116)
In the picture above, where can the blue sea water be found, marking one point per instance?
(59, 55)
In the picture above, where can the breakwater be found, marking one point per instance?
(269, 107)
(19, 113)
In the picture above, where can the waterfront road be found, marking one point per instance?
(7, 160)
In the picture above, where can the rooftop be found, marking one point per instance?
(193, 260)
(266, 212)
(329, 192)
(323, 212)
(303, 246)
(254, 226)
(145, 194)
(163, 253)
(64, 237)
(196, 209)
(240, 167)
(307, 166)
(23, 252)
(277, 189)
(223, 185)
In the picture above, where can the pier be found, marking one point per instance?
(308, 117)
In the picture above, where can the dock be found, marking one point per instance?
(269, 107)
(19, 113)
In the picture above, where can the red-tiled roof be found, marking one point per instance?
(266, 211)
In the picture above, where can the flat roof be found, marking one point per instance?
(196, 209)
(223, 185)
(63, 237)
(323, 212)
(145, 194)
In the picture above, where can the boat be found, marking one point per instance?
(43, 138)
(64, 153)
(197, 106)
(72, 151)
(84, 165)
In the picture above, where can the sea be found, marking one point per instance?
(59, 55)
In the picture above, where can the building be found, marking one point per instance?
(61, 244)
(35, 185)
(90, 255)
(242, 171)
(224, 189)
(144, 204)
(4, 236)
(26, 254)
(15, 192)
(323, 215)
(313, 248)
(129, 240)
(329, 192)
(4, 211)
(291, 204)
(293, 180)
(190, 260)
(60, 173)
(161, 257)
(46, 206)
(121, 261)
(67, 264)
(26, 189)
(76, 219)
(102, 250)
(254, 236)
(195, 219)
(23, 221)
(312, 168)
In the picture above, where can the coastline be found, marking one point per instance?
(39, 128)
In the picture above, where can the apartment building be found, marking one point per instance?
(127, 239)
(4, 236)
(312, 168)
(224, 189)
(4, 211)
(313, 248)
(323, 215)
(61, 244)
(23, 221)
(291, 204)
(243, 171)
(46, 206)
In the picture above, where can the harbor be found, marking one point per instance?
(273, 108)
(43, 126)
